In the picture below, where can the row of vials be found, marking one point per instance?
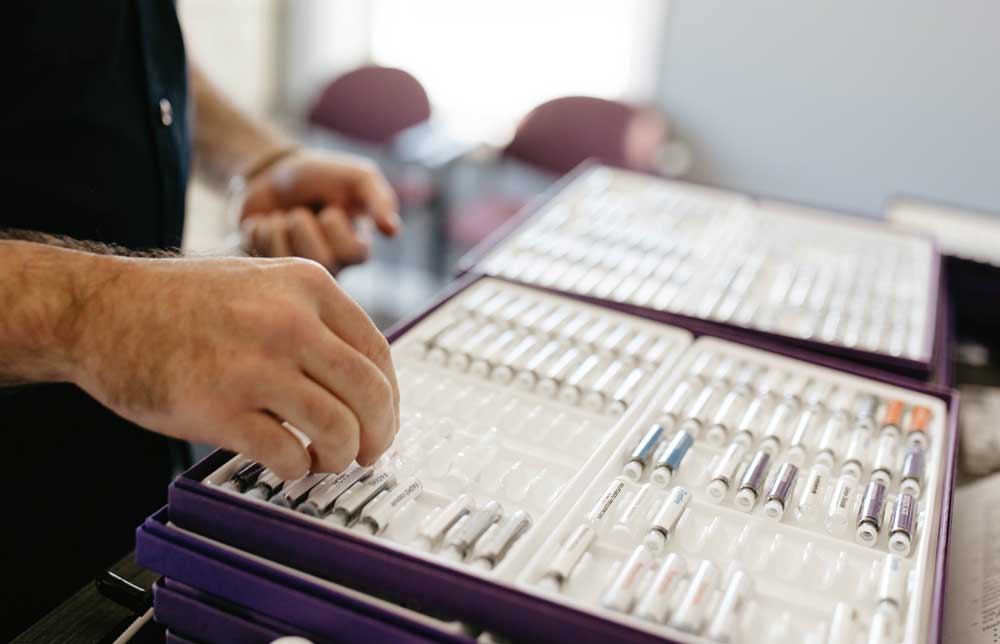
(632, 591)
(565, 369)
(628, 591)
(851, 299)
(367, 500)
(732, 470)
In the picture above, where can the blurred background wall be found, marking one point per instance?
(836, 103)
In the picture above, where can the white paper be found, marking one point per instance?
(972, 590)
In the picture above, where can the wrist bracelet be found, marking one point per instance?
(259, 165)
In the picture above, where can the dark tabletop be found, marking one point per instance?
(88, 617)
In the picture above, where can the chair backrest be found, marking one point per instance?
(371, 104)
(558, 135)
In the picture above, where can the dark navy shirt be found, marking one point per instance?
(94, 144)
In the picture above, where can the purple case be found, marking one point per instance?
(173, 638)
(922, 370)
(424, 585)
(234, 580)
(209, 620)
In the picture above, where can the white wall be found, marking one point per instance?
(840, 103)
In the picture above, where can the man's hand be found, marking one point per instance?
(308, 204)
(221, 350)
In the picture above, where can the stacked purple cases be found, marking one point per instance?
(425, 585)
(926, 368)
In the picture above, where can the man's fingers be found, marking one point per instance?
(356, 381)
(266, 235)
(260, 436)
(378, 198)
(348, 247)
(324, 418)
(307, 238)
(348, 320)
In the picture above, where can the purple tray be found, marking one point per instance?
(173, 638)
(438, 590)
(469, 264)
(212, 621)
(259, 589)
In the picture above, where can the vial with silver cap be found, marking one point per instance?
(870, 515)
(642, 453)
(464, 534)
(322, 497)
(434, 528)
(904, 516)
(725, 472)
(620, 594)
(913, 471)
(666, 518)
(690, 614)
(655, 602)
(752, 481)
(347, 507)
(561, 567)
(245, 476)
(671, 458)
(267, 485)
(781, 488)
(724, 626)
(375, 516)
(498, 539)
(293, 492)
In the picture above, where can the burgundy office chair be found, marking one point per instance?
(554, 138)
(371, 105)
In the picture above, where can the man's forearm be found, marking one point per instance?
(44, 291)
(227, 141)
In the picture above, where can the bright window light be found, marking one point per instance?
(485, 64)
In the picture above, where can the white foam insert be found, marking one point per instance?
(465, 432)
